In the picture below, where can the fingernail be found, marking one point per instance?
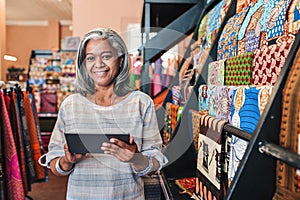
(112, 140)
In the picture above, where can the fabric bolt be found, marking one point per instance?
(294, 17)
(249, 33)
(238, 69)
(157, 84)
(102, 176)
(241, 4)
(216, 73)
(228, 44)
(221, 101)
(17, 128)
(3, 188)
(29, 162)
(210, 157)
(204, 99)
(13, 175)
(287, 181)
(215, 17)
(33, 134)
(269, 60)
(175, 94)
(247, 105)
(275, 24)
(194, 117)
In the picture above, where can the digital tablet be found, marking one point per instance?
(90, 143)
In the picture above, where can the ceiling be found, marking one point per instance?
(37, 10)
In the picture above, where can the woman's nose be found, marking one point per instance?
(99, 62)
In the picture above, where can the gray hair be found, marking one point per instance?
(84, 84)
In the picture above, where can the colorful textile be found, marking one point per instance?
(170, 121)
(228, 45)
(34, 141)
(216, 73)
(194, 127)
(175, 94)
(204, 103)
(288, 178)
(247, 105)
(294, 17)
(13, 175)
(241, 4)
(210, 158)
(238, 69)
(221, 101)
(248, 35)
(275, 24)
(269, 60)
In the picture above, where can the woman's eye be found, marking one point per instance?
(107, 56)
(90, 58)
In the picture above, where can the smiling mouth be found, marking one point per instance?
(101, 72)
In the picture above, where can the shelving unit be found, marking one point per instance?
(256, 175)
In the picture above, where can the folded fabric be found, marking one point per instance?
(210, 160)
(269, 60)
(216, 73)
(238, 69)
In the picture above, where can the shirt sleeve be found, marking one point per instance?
(152, 141)
(57, 140)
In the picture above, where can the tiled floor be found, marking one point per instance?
(53, 189)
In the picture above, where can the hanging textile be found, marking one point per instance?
(17, 131)
(288, 178)
(227, 44)
(194, 127)
(29, 162)
(15, 188)
(269, 60)
(35, 143)
(211, 174)
(3, 185)
(248, 104)
(294, 17)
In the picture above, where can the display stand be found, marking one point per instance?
(256, 175)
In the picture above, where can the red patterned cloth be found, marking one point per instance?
(269, 60)
(13, 175)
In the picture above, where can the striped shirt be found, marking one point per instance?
(102, 176)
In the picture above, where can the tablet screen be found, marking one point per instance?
(90, 143)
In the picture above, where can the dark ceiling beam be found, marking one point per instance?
(172, 33)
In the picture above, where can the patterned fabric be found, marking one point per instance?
(221, 101)
(34, 141)
(102, 176)
(204, 102)
(227, 45)
(276, 21)
(288, 178)
(247, 105)
(262, 22)
(194, 127)
(175, 94)
(216, 73)
(17, 128)
(170, 121)
(294, 17)
(241, 4)
(269, 60)
(13, 175)
(238, 69)
(29, 162)
(3, 188)
(248, 36)
(210, 158)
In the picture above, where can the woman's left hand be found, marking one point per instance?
(121, 150)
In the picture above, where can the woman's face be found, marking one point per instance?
(102, 62)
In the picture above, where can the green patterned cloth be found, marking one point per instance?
(238, 69)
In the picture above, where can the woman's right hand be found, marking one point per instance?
(72, 157)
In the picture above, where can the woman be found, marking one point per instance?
(105, 104)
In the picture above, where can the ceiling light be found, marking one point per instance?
(10, 58)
